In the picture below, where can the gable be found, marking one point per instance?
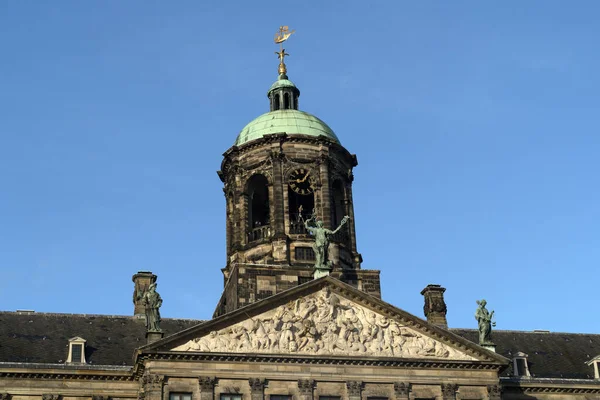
(323, 323)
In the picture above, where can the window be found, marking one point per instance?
(595, 364)
(329, 397)
(231, 396)
(280, 397)
(180, 396)
(304, 279)
(258, 207)
(304, 254)
(520, 364)
(76, 350)
(377, 398)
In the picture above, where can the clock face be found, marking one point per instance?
(301, 181)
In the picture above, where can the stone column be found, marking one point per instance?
(153, 386)
(402, 390)
(435, 306)
(207, 387)
(354, 389)
(324, 190)
(449, 391)
(306, 387)
(257, 388)
(494, 392)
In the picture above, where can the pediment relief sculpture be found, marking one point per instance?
(323, 323)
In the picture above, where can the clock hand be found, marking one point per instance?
(305, 176)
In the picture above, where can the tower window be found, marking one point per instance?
(337, 199)
(276, 101)
(286, 101)
(258, 207)
(304, 254)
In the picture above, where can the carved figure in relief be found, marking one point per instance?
(322, 324)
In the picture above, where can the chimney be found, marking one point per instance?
(435, 306)
(141, 281)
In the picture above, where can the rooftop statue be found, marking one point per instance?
(321, 246)
(152, 302)
(485, 323)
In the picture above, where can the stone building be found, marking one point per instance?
(277, 333)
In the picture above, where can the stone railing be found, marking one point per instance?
(258, 233)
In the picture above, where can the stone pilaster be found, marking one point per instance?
(354, 388)
(402, 390)
(494, 392)
(449, 391)
(306, 389)
(207, 387)
(153, 386)
(324, 191)
(5, 396)
(257, 388)
(435, 306)
(279, 208)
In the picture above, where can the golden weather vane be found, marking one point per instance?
(280, 37)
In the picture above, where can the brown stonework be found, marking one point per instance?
(494, 392)
(153, 386)
(306, 389)
(257, 388)
(354, 388)
(207, 387)
(435, 306)
(449, 391)
(402, 390)
(142, 281)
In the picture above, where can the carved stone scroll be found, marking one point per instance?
(257, 388)
(449, 391)
(47, 396)
(153, 386)
(321, 324)
(402, 390)
(207, 387)
(354, 389)
(306, 388)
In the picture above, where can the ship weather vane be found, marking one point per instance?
(280, 37)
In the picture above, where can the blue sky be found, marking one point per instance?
(475, 125)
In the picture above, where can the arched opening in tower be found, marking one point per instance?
(276, 101)
(337, 203)
(286, 101)
(258, 207)
(300, 209)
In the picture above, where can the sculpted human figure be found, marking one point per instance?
(485, 323)
(322, 237)
(152, 302)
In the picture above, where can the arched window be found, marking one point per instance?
(337, 203)
(258, 202)
(286, 101)
(276, 101)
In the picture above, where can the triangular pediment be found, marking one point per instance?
(324, 318)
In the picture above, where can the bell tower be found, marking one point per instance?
(286, 167)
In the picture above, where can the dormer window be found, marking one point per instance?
(520, 366)
(595, 363)
(76, 351)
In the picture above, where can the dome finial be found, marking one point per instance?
(280, 37)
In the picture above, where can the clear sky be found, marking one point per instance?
(476, 126)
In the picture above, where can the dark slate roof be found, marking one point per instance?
(550, 354)
(43, 338)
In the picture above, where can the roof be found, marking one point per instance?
(281, 83)
(291, 122)
(550, 355)
(44, 338)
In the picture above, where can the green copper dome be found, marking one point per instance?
(285, 121)
(281, 83)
